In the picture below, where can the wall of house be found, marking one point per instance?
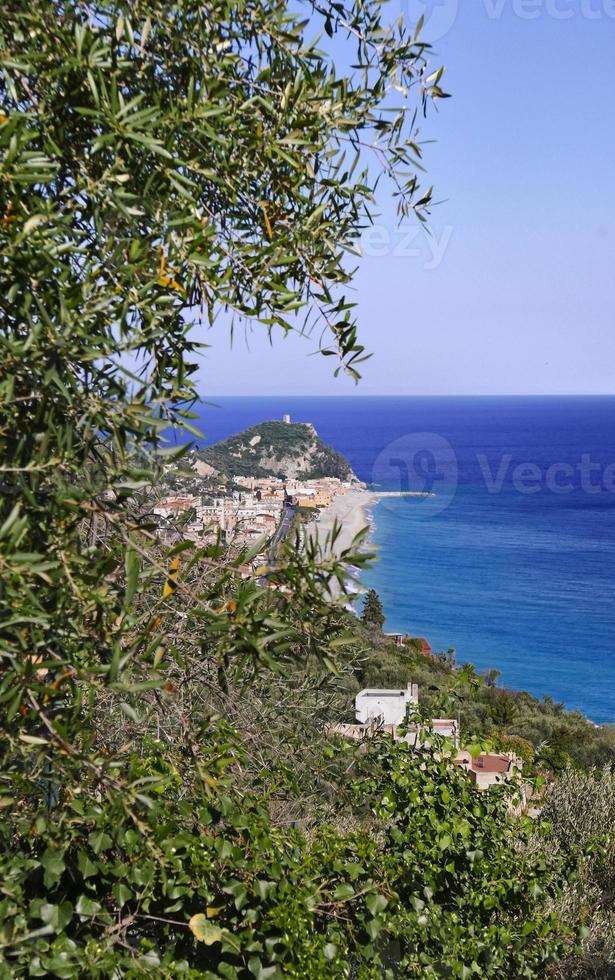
(390, 706)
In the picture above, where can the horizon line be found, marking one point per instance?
(535, 394)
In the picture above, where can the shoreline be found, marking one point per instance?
(353, 511)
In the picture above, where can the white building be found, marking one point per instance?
(385, 707)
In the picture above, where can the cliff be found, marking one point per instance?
(281, 449)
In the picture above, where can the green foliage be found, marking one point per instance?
(206, 885)
(516, 745)
(373, 613)
(469, 894)
(580, 807)
(276, 449)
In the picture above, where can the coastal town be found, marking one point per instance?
(256, 486)
(248, 508)
(239, 509)
(260, 483)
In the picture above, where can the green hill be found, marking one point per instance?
(277, 449)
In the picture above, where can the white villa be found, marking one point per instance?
(385, 707)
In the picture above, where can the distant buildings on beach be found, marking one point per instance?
(252, 508)
(206, 505)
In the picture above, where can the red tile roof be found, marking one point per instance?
(425, 644)
(176, 503)
(491, 763)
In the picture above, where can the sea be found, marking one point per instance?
(510, 559)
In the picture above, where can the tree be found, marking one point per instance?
(373, 614)
(160, 163)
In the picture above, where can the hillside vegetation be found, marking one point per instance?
(277, 449)
(548, 737)
(570, 760)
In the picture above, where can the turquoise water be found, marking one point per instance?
(511, 562)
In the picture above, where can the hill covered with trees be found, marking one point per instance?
(286, 449)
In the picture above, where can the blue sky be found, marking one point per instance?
(515, 291)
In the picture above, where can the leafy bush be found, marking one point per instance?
(201, 883)
(580, 807)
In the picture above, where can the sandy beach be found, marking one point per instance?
(350, 510)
